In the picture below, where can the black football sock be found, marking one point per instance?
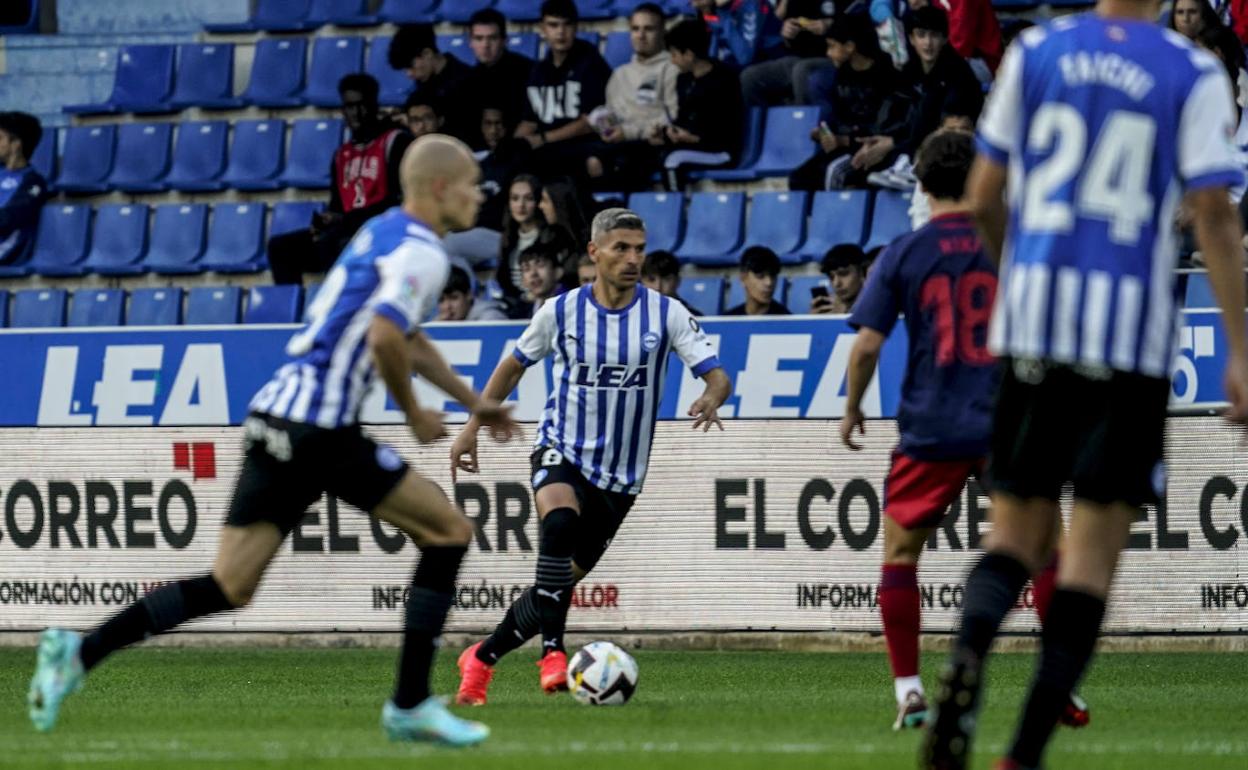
(1068, 644)
(991, 590)
(553, 587)
(519, 625)
(161, 610)
(428, 602)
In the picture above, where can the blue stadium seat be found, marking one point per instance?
(785, 145)
(97, 307)
(119, 240)
(342, 13)
(312, 145)
(736, 291)
(799, 292)
(4, 308)
(519, 10)
(34, 308)
(836, 217)
(271, 16)
(408, 11)
(524, 43)
(256, 155)
(332, 58)
(236, 239)
(142, 159)
(714, 226)
(890, 218)
(664, 216)
(215, 305)
(155, 307)
(45, 155)
(395, 86)
(778, 221)
(274, 304)
(205, 77)
(199, 156)
(1199, 293)
(289, 216)
(751, 147)
(459, 11)
(619, 49)
(595, 10)
(457, 46)
(61, 244)
(177, 240)
(703, 293)
(277, 73)
(142, 83)
(88, 159)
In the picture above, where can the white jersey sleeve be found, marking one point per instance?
(539, 338)
(1001, 122)
(1208, 156)
(411, 281)
(689, 341)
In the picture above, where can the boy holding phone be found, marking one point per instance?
(846, 268)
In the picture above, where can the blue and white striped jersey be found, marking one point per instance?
(1104, 124)
(394, 267)
(608, 378)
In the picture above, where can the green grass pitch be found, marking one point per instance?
(177, 708)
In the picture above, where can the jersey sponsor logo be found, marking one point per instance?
(611, 376)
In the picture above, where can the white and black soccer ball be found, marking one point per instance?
(602, 674)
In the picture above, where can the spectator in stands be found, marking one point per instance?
(460, 303)
(422, 115)
(562, 206)
(783, 80)
(708, 126)
(23, 190)
(938, 77)
(661, 272)
(867, 103)
(846, 268)
(500, 76)
(742, 31)
(760, 269)
(365, 183)
(973, 29)
(414, 49)
(542, 267)
(563, 89)
(522, 224)
(641, 97)
(1190, 17)
(586, 270)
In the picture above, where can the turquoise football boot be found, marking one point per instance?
(58, 672)
(430, 721)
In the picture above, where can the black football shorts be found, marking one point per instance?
(602, 511)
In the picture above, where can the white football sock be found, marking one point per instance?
(904, 685)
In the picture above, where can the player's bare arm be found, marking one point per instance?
(388, 346)
(1219, 235)
(428, 362)
(705, 410)
(985, 188)
(502, 382)
(863, 358)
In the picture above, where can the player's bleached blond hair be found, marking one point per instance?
(433, 156)
(615, 219)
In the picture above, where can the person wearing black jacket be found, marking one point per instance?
(563, 89)
(23, 190)
(442, 78)
(365, 183)
(500, 76)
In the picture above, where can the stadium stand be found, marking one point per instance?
(34, 308)
(97, 307)
(118, 239)
(142, 158)
(257, 152)
(736, 291)
(273, 304)
(312, 145)
(213, 305)
(706, 295)
(277, 73)
(63, 240)
(177, 239)
(205, 77)
(890, 217)
(713, 229)
(4, 308)
(778, 221)
(395, 86)
(236, 239)
(664, 217)
(88, 159)
(155, 307)
(45, 155)
(784, 145)
(519, 10)
(836, 217)
(199, 157)
(332, 58)
(289, 216)
(408, 11)
(142, 84)
(798, 298)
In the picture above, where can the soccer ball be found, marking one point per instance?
(602, 674)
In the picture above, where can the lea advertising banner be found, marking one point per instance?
(791, 368)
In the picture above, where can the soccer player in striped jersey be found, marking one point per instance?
(303, 439)
(1098, 127)
(610, 341)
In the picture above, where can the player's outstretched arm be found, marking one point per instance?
(388, 346)
(985, 188)
(502, 382)
(1219, 236)
(705, 410)
(427, 361)
(862, 362)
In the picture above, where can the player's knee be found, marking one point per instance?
(238, 593)
(461, 531)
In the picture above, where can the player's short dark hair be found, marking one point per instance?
(842, 255)
(457, 281)
(488, 17)
(760, 260)
(943, 163)
(409, 42)
(931, 19)
(660, 264)
(361, 83)
(561, 9)
(968, 104)
(651, 8)
(420, 99)
(23, 127)
(689, 35)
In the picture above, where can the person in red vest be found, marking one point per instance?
(365, 183)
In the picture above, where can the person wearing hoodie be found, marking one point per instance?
(563, 89)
